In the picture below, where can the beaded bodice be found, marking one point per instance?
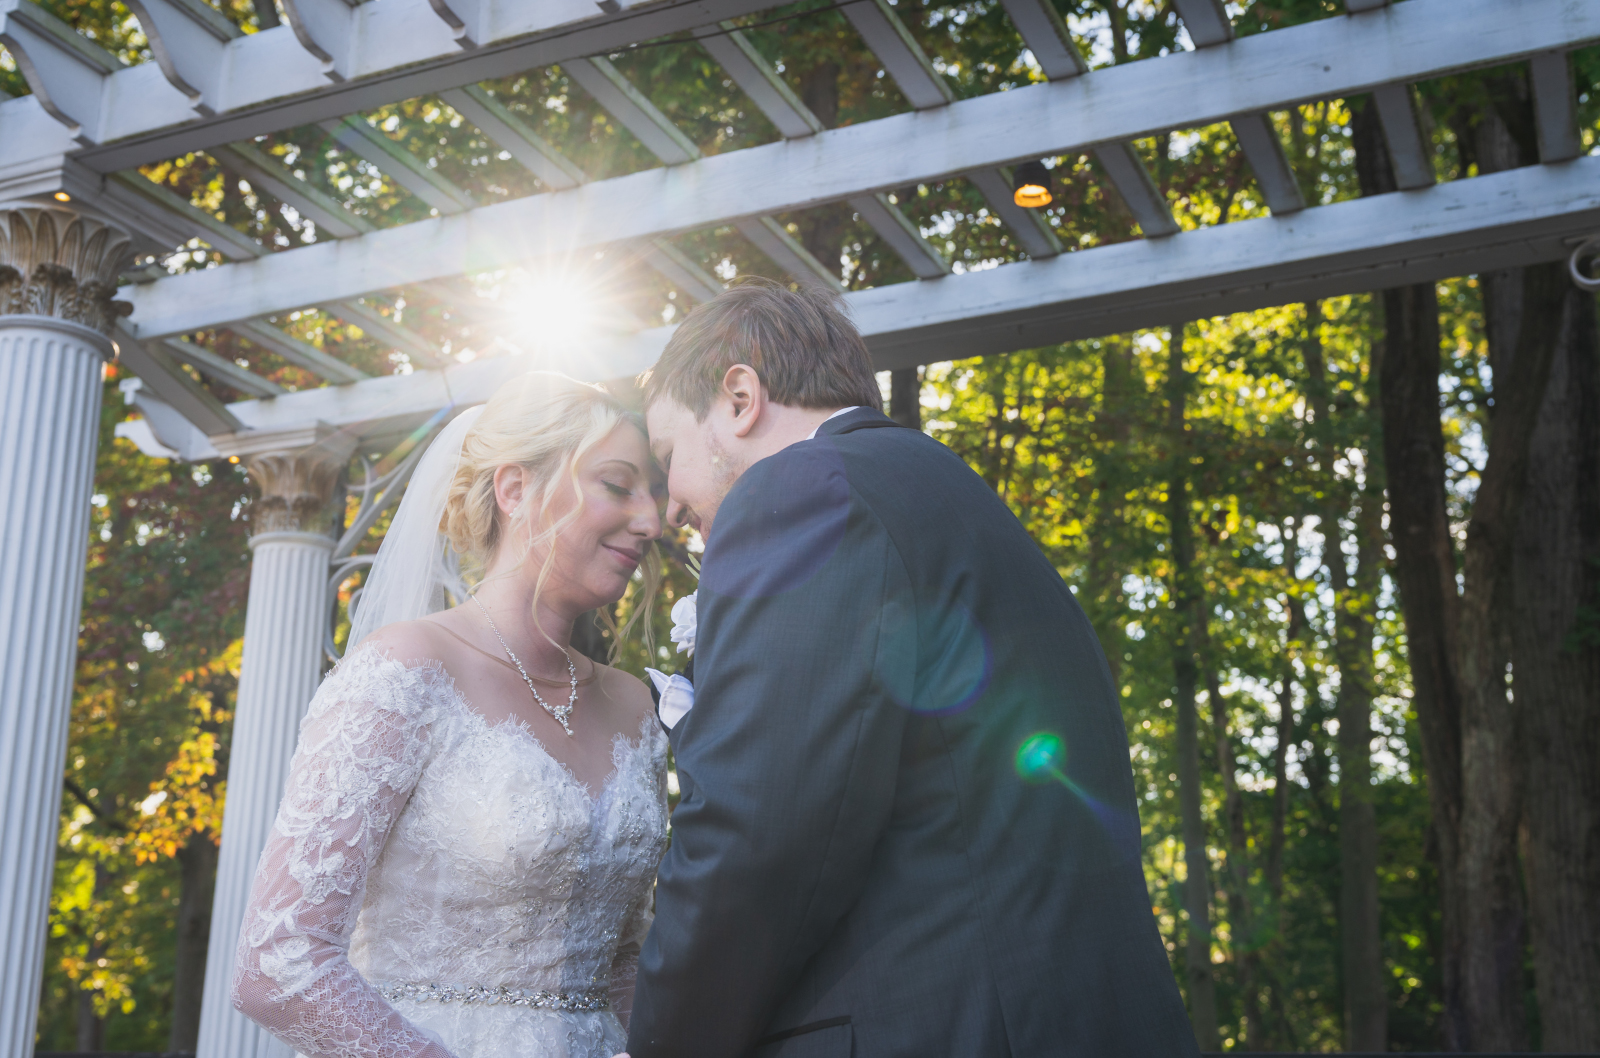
(424, 858)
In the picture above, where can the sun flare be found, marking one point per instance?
(550, 312)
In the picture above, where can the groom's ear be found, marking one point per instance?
(748, 398)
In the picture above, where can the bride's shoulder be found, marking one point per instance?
(409, 642)
(627, 690)
(411, 652)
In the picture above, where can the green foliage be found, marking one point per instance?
(1075, 439)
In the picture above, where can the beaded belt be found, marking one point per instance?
(590, 1002)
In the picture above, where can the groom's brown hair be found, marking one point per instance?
(801, 344)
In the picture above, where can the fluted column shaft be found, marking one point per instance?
(279, 672)
(49, 405)
(58, 275)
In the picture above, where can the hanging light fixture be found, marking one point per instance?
(1032, 183)
(62, 196)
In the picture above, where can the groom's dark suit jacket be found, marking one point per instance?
(857, 865)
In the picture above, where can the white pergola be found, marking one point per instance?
(74, 210)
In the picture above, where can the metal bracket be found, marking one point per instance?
(381, 486)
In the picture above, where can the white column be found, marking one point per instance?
(279, 672)
(57, 276)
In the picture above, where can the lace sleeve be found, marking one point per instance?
(362, 747)
(625, 966)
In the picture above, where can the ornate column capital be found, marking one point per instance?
(298, 482)
(60, 263)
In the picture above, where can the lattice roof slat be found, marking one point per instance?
(335, 63)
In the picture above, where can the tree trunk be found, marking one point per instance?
(1246, 954)
(1492, 923)
(822, 231)
(1556, 652)
(1477, 826)
(198, 863)
(905, 397)
(1366, 1004)
(1197, 889)
(1366, 1009)
(1285, 733)
(91, 1027)
(1556, 725)
(1121, 392)
(1407, 366)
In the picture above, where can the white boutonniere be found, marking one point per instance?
(684, 624)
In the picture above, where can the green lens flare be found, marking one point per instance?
(1040, 757)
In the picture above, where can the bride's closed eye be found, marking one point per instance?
(615, 489)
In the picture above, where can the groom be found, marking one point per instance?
(908, 822)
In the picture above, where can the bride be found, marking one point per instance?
(463, 860)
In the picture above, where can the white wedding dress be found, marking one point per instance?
(436, 884)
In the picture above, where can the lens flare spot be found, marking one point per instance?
(1040, 757)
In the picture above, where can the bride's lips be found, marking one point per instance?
(629, 557)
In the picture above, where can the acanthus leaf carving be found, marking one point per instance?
(57, 263)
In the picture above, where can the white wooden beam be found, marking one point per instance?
(66, 71)
(1503, 220)
(396, 50)
(187, 39)
(1113, 105)
(902, 58)
(1554, 107)
(785, 251)
(400, 401)
(920, 83)
(272, 83)
(681, 272)
(651, 127)
(397, 163)
(1507, 219)
(1028, 227)
(301, 354)
(1137, 188)
(494, 120)
(1206, 20)
(1265, 153)
(385, 331)
(156, 367)
(900, 235)
(265, 172)
(755, 76)
(1047, 37)
(223, 370)
(1409, 153)
(1208, 25)
(628, 105)
(530, 149)
(327, 29)
(162, 212)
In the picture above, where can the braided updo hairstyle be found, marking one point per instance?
(545, 423)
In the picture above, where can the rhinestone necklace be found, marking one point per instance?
(560, 712)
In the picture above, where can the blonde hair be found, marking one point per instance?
(545, 423)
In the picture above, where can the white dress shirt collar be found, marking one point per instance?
(835, 415)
